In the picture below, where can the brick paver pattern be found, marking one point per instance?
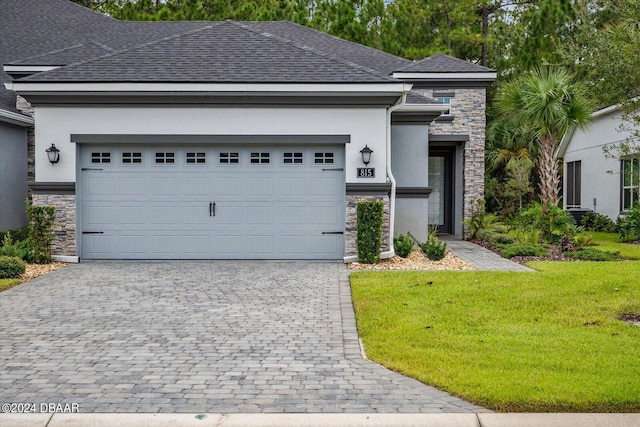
(223, 336)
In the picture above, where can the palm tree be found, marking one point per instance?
(549, 101)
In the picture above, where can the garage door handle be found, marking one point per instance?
(333, 232)
(210, 209)
(214, 208)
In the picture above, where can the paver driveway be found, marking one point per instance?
(197, 337)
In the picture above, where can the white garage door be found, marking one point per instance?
(212, 202)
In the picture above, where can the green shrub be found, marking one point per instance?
(582, 240)
(553, 225)
(433, 249)
(369, 233)
(11, 267)
(403, 245)
(17, 235)
(522, 249)
(479, 219)
(629, 224)
(593, 221)
(8, 248)
(530, 236)
(40, 231)
(592, 254)
(494, 237)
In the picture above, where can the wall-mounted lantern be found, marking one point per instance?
(54, 154)
(366, 155)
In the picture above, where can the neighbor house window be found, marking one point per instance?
(630, 182)
(573, 177)
(447, 101)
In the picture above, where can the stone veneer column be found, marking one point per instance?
(351, 228)
(64, 225)
(468, 109)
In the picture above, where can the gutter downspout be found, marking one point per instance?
(392, 196)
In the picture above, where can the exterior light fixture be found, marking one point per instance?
(54, 154)
(366, 155)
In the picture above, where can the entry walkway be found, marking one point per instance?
(481, 258)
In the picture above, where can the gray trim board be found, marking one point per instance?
(443, 93)
(448, 138)
(209, 139)
(449, 84)
(445, 119)
(413, 192)
(212, 99)
(357, 189)
(412, 117)
(52, 187)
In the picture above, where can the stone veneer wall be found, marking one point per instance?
(26, 108)
(351, 229)
(468, 109)
(64, 225)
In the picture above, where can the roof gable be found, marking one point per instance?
(441, 63)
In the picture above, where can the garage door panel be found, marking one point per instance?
(99, 214)
(134, 214)
(149, 210)
(131, 185)
(228, 185)
(102, 185)
(133, 244)
(259, 214)
(195, 186)
(197, 245)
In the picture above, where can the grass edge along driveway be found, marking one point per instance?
(548, 341)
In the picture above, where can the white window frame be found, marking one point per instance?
(632, 185)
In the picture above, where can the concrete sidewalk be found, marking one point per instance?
(320, 420)
(482, 258)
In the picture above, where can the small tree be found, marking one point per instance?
(41, 231)
(369, 233)
(549, 101)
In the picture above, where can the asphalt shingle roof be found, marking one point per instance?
(417, 98)
(220, 52)
(441, 63)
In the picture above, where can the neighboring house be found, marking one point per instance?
(232, 140)
(593, 181)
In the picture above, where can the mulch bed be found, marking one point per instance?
(35, 270)
(415, 261)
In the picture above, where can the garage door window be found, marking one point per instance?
(101, 157)
(323, 158)
(129, 157)
(165, 158)
(196, 158)
(228, 158)
(260, 158)
(292, 158)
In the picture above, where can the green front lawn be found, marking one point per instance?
(8, 283)
(611, 242)
(545, 341)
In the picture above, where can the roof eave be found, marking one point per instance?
(16, 119)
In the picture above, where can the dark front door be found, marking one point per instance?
(441, 182)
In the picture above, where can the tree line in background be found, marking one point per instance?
(566, 55)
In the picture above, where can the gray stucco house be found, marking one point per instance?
(592, 180)
(232, 140)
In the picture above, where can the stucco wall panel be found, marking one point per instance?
(56, 124)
